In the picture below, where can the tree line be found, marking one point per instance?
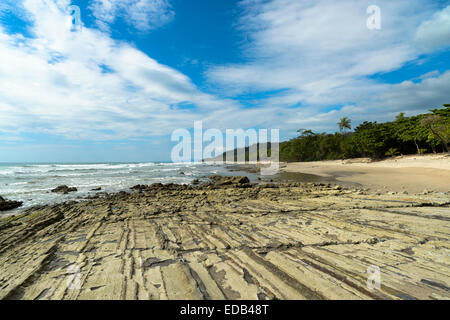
(424, 133)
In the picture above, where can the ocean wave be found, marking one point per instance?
(104, 166)
(32, 183)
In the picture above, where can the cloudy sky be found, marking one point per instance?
(115, 87)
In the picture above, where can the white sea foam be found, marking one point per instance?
(32, 183)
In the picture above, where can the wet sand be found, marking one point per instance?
(412, 174)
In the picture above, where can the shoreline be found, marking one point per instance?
(412, 174)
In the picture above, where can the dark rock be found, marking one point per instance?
(139, 187)
(122, 194)
(97, 195)
(9, 204)
(226, 181)
(96, 189)
(243, 180)
(269, 186)
(195, 182)
(157, 185)
(64, 189)
(181, 172)
(245, 185)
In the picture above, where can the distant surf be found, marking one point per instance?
(31, 183)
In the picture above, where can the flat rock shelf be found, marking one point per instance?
(274, 241)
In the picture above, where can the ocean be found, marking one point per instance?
(32, 183)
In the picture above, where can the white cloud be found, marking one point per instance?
(382, 104)
(320, 53)
(431, 74)
(144, 15)
(85, 85)
(435, 33)
(314, 46)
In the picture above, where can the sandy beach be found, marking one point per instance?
(411, 174)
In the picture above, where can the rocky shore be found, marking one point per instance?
(230, 239)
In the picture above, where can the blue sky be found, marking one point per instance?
(136, 70)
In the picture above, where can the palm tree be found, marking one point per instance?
(345, 123)
(400, 116)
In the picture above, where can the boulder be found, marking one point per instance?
(64, 189)
(9, 204)
(234, 180)
(96, 189)
(139, 187)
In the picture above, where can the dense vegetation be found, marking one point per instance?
(421, 134)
